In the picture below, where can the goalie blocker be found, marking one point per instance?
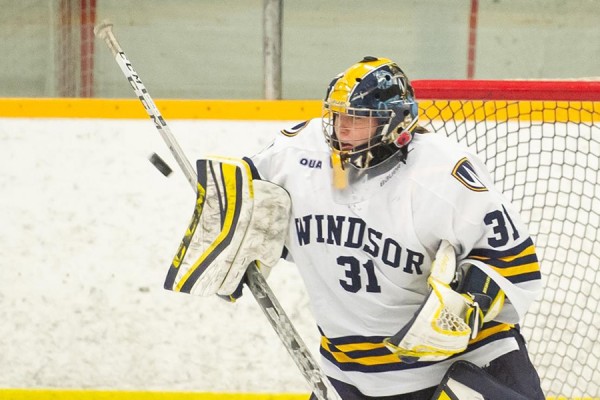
(236, 221)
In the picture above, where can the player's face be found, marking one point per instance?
(353, 131)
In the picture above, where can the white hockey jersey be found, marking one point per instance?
(365, 263)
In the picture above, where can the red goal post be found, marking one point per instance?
(541, 142)
(75, 20)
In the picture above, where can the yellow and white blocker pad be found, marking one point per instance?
(236, 221)
(438, 329)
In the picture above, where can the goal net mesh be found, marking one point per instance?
(543, 150)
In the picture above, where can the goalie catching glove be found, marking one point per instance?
(236, 221)
(446, 320)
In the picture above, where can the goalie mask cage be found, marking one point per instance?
(541, 142)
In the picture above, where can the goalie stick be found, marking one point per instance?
(256, 282)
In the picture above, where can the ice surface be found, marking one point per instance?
(88, 228)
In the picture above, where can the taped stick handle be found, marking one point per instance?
(280, 322)
(104, 31)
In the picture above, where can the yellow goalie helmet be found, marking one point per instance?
(369, 113)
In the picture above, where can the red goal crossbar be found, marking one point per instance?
(507, 90)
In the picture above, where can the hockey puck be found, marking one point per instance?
(160, 164)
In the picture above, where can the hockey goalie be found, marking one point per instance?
(418, 269)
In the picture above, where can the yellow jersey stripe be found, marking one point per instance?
(527, 252)
(342, 357)
(486, 333)
(518, 270)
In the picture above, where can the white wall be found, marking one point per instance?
(88, 229)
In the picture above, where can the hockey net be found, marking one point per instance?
(541, 142)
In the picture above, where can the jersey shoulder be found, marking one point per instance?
(302, 143)
(441, 162)
(305, 136)
(295, 130)
(436, 148)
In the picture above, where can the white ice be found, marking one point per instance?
(88, 228)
